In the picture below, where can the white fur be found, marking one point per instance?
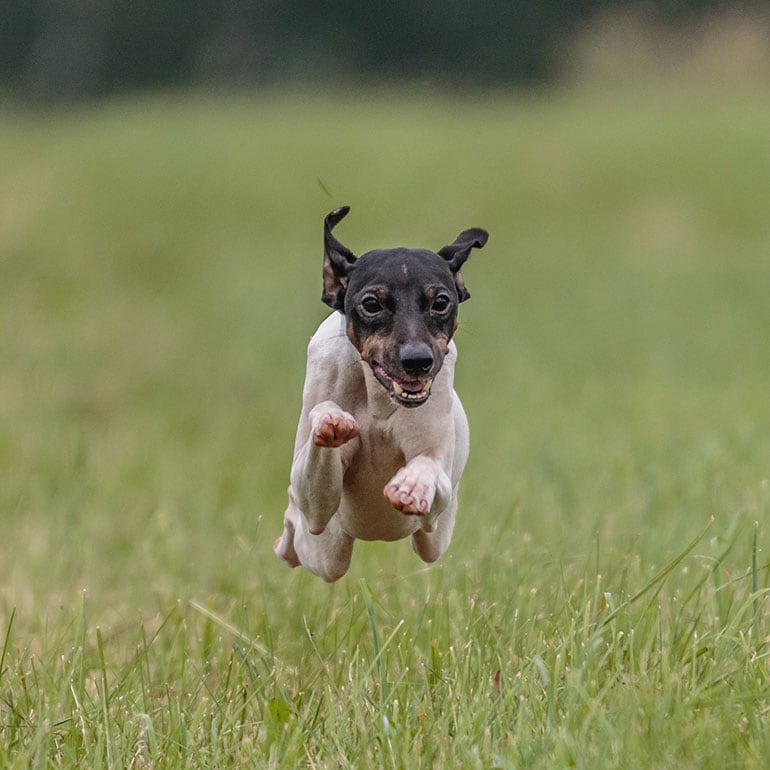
(394, 472)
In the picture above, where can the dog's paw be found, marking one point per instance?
(284, 545)
(331, 426)
(284, 548)
(411, 490)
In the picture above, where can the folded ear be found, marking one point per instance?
(338, 261)
(458, 251)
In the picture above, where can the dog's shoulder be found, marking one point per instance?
(328, 336)
(334, 368)
(330, 346)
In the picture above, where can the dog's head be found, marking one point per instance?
(400, 306)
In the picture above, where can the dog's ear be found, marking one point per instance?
(458, 251)
(338, 261)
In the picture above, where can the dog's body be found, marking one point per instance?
(382, 438)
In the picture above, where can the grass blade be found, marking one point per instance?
(6, 642)
(660, 576)
(104, 698)
(377, 660)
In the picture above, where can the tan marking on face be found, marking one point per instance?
(442, 343)
(372, 347)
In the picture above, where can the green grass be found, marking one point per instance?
(604, 602)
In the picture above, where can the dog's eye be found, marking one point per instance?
(371, 305)
(440, 304)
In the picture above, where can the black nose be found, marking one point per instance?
(416, 358)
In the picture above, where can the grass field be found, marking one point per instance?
(605, 600)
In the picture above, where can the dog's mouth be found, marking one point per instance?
(405, 392)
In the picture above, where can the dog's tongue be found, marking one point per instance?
(413, 387)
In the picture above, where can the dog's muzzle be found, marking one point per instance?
(407, 392)
(416, 361)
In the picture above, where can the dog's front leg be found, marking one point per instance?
(311, 535)
(423, 488)
(317, 471)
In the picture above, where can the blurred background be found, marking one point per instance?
(76, 49)
(165, 168)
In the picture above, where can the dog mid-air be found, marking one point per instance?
(382, 438)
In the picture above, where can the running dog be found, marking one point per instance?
(382, 439)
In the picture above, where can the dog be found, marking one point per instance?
(382, 439)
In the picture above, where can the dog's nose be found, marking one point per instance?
(416, 358)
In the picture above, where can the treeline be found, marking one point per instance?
(53, 49)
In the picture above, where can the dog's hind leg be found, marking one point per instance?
(429, 546)
(326, 555)
(284, 545)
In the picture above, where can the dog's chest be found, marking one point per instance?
(364, 511)
(377, 457)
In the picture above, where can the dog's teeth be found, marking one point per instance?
(397, 389)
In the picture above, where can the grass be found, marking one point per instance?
(605, 599)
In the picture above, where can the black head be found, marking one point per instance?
(400, 305)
